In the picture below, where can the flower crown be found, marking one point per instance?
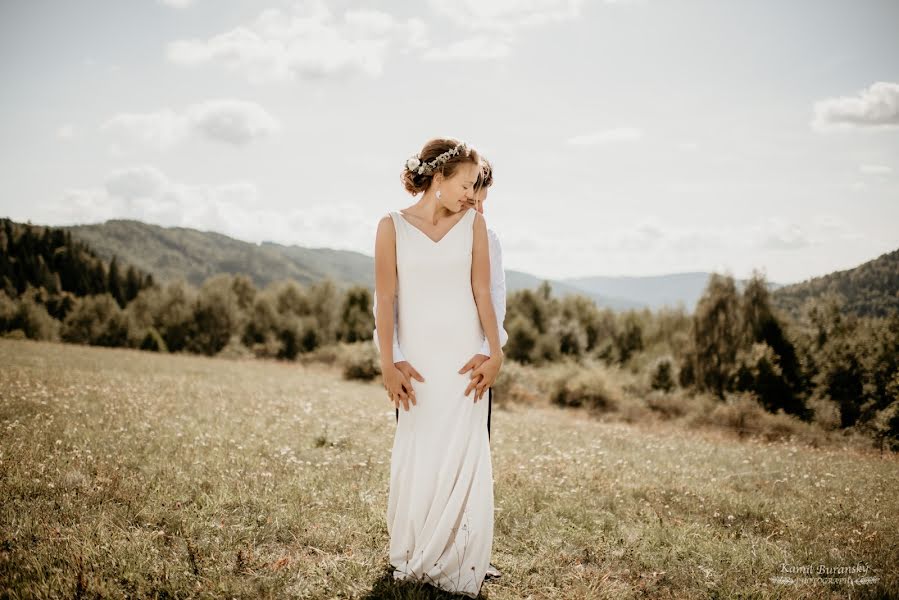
(415, 165)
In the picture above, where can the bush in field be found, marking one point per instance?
(715, 337)
(357, 323)
(662, 374)
(174, 315)
(522, 338)
(27, 316)
(575, 386)
(360, 361)
(768, 363)
(572, 339)
(8, 310)
(96, 320)
(742, 413)
(515, 384)
(590, 320)
(262, 333)
(629, 339)
(886, 424)
(216, 316)
(297, 335)
(757, 370)
(152, 341)
(325, 303)
(141, 315)
(850, 360)
(300, 320)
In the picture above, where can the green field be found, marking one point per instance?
(129, 474)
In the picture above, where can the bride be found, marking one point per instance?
(432, 259)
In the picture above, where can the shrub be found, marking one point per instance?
(515, 383)
(98, 321)
(235, 350)
(357, 321)
(742, 413)
(215, 316)
(174, 316)
(575, 386)
(29, 317)
(662, 377)
(8, 310)
(153, 341)
(360, 361)
(886, 426)
(757, 370)
(522, 338)
(667, 405)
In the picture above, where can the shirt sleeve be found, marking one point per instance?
(497, 290)
(397, 353)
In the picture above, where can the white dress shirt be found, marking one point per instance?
(497, 294)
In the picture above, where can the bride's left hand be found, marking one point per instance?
(484, 376)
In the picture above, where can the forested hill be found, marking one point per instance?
(178, 252)
(49, 259)
(870, 289)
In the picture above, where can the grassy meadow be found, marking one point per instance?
(127, 474)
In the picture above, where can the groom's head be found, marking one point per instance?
(482, 185)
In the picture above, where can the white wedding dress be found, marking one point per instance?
(440, 503)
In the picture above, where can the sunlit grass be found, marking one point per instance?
(132, 474)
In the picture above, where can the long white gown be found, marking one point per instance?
(440, 503)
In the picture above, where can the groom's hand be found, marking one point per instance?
(409, 371)
(474, 363)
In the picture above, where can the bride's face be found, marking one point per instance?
(457, 192)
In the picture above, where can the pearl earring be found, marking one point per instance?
(438, 194)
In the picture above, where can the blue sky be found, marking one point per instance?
(629, 137)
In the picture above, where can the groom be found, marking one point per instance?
(497, 293)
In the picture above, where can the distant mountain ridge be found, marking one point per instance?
(871, 288)
(177, 252)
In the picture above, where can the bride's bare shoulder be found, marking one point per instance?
(386, 227)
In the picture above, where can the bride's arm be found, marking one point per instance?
(480, 284)
(385, 288)
(397, 351)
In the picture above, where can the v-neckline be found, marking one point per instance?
(432, 240)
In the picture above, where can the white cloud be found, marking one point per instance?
(160, 129)
(233, 121)
(493, 25)
(506, 15)
(136, 182)
(65, 131)
(145, 193)
(305, 42)
(875, 169)
(776, 234)
(176, 3)
(617, 135)
(226, 120)
(477, 48)
(874, 107)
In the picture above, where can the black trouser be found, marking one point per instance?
(489, 410)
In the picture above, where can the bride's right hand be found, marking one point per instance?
(399, 386)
